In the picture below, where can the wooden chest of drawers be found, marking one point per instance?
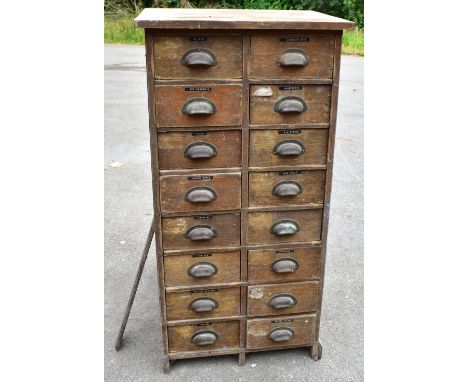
(242, 116)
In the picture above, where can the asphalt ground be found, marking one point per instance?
(128, 213)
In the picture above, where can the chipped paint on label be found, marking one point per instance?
(256, 293)
(264, 91)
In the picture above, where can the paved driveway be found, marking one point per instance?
(128, 213)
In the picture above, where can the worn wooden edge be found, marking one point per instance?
(204, 353)
(157, 213)
(316, 125)
(329, 177)
(220, 285)
(239, 31)
(310, 125)
(195, 321)
(229, 170)
(303, 167)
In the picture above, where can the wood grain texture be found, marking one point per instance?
(262, 143)
(227, 188)
(192, 18)
(169, 101)
(227, 227)
(259, 224)
(179, 336)
(259, 296)
(227, 265)
(316, 97)
(169, 50)
(261, 260)
(266, 50)
(258, 329)
(177, 303)
(172, 145)
(261, 185)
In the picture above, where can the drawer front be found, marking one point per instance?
(198, 57)
(291, 56)
(288, 147)
(202, 268)
(270, 300)
(281, 332)
(201, 231)
(205, 336)
(284, 226)
(206, 192)
(199, 149)
(279, 105)
(283, 188)
(203, 303)
(269, 265)
(198, 105)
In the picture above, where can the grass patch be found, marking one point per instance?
(122, 31)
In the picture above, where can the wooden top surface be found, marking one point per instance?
(196, 18)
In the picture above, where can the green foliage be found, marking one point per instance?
(347, 9)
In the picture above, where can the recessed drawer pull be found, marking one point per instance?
(200, 195)
(203, 304)
(200, 150)
(284, 227)
(284, 265)
(280, 334)
(289, 148)
(204, 338)
(199, 57)
(199, 106)
(290, 105)
(287, 188)
(204, 269)
(293, 57)
(200, 232)
(282, 301)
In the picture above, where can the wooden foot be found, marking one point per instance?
(167, 366)
(241, 359)
(316, 351)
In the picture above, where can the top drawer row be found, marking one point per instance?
(220, 57)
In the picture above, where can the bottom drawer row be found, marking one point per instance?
(262, 333)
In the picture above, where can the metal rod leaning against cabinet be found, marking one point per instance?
(242, 107)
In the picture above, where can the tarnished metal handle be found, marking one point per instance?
(284, 227)
(199, 106)
(284, 265)
(290, 105)
(204, 338)
(293, 57)
(203, 269)
(282, 301)
(286, 188)
(200, 232)
(200, 195)
(280, 334)
(203, 304)
(289, 148)
(199, 57)
(200, 150)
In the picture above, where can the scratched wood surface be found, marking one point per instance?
(266, 50)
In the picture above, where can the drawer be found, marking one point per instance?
(198, 105)
(202, 268)
(205, 336)
(291, 56)
(289, 104)
(284, 331)
(203, 303)
(199, 149)
(206, 192)
(197, 57)
(284, 226)
(269, 265)
(270, 300)
(288, 147)
(201, 231)
(282, 188)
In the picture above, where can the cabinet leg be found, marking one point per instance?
(241, 359)
(316, 351)
(167, 366)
